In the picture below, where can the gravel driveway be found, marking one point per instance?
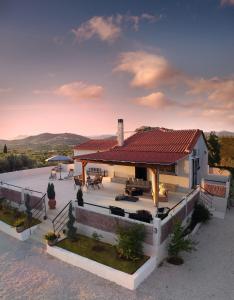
(27, 272)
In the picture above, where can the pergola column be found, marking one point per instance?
(155, 185)
(84, 163)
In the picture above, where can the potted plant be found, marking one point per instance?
(51, 196)
(51, 238)
(20, 225)
(79, 197)
(178, 244)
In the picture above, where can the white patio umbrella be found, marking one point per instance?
(60, 159)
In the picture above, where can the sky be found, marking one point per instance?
(77, 66)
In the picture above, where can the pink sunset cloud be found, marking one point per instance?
(155, 100)
(148, 70)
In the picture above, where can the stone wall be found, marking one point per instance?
(167, 227)
(16, 196)
(109, 223)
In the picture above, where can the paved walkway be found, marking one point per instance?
(27, 272)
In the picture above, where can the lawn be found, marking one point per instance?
(107, 255)
(10, 215)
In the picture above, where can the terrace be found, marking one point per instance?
(37, 179)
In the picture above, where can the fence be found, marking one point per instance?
(17, 195)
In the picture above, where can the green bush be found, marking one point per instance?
(130, 242)
(50, 191)
(71, 229)
(50, 236)
(200, 215)
(79, 197)
(19, 222)
(178, 242)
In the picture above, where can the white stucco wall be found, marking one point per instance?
(182, 167)
(124, 171)
(202, 154)
(78, 167)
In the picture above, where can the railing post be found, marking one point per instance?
(45, 216)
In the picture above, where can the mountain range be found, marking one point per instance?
(45, 141)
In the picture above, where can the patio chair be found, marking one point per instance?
(70, 174)
(89, 183)
(53, 175)
(98, 181)
(115, 210)
(141, 215)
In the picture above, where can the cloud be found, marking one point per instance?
(110, 28)
(106, 29)
(135, 20)
(227, 2)
(218, 91)
(79, 90)
(155, 100)
(148, 70)
(42, 92)
(5, 90)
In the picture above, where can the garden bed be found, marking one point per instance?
(8, 219)
(103, 263)
(106, 254)
(10, 215)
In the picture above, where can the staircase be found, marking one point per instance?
(207, 199)
(55, 222)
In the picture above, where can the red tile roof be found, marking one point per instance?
(157, 146)
(98, 145)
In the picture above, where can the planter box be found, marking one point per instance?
(10, 230)
(129, 281)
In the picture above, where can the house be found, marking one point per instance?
(93, 146)
(177, 158)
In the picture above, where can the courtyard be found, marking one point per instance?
(27, 272)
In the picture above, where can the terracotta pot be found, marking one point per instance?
(20, 229)
(52, 203)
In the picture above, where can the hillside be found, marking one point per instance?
(227, 151)
(45, 141)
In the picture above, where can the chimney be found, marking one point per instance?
(120, 133)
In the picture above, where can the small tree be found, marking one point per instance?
(5, 149)
(79, 197)
(28, 209)
(130, 242)
(179, 244)
(201, 214)
(71, 229)
(214, 149)
(50, 191)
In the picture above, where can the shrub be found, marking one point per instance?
(130, 242)
(50, 191)
(71, 229)
(79, 197)
(50, 236)
(19, 222)
(97, 238)
(178, 243)
(200, 215)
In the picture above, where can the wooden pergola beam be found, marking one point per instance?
(84, 163)
(132, 164)
(155, 186)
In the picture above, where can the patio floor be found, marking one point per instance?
(105, 196)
